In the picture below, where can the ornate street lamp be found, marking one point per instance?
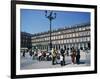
(51, 16)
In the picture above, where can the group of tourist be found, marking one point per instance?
(55, 55)
(38, 54)
(75, 56)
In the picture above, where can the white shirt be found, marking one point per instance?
(61, 58)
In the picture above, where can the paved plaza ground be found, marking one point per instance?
(28, 62)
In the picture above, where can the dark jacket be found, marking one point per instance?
(62, 52)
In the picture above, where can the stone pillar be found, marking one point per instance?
(83, 46)
(75, 45)
(63, 46)
(66, 46)
(58, 47)
(72, 45)
(69, 46)
(86, 45)
(79, 45)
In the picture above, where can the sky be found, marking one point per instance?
(34, 21)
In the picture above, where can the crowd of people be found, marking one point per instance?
(75, 56)
(55, 55)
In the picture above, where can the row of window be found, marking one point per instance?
(74, 40)
(72, 30)
(26, 45)
(26, 41)
(79, 45)
(63, 32)
(87, 33)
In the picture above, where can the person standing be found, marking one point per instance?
(53, 53)
(61, 60)
(73, 56)
(67, 52)
(24, 53)
(39, 55)
(63, 55)
(30, 52)
(78, 56)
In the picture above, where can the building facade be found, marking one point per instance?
(77, 36)
(26, 40)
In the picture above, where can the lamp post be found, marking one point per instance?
(51, 16)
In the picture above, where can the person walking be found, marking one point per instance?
(24, 53)
(63, 56)
(39, 55)
(78, 56)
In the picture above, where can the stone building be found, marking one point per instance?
(26, 40)
(77, 36)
